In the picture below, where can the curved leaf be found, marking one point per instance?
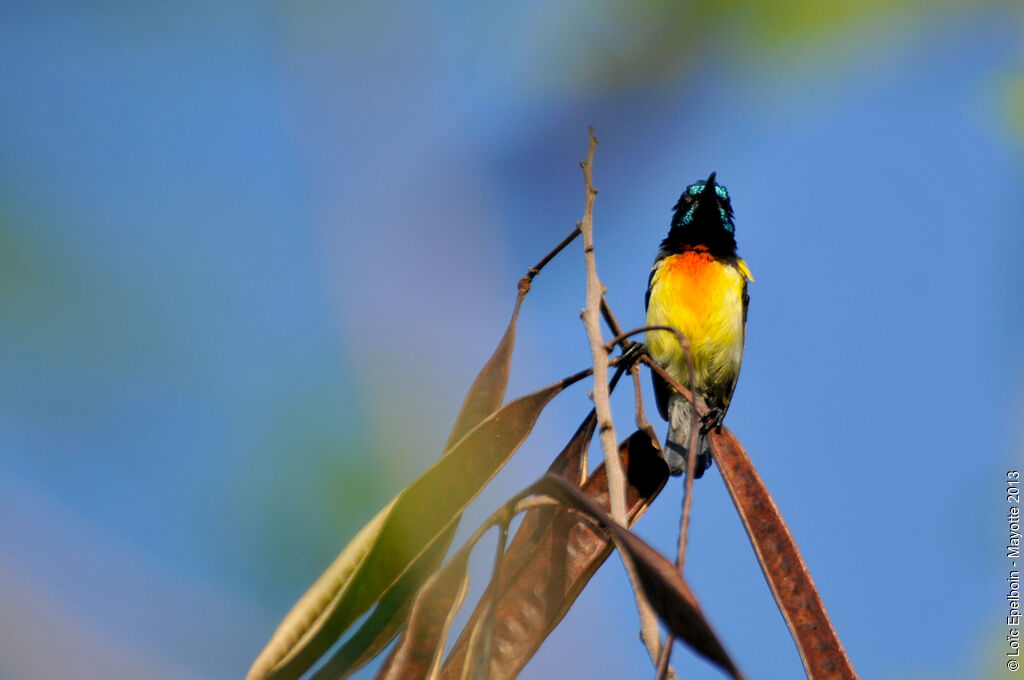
(570, 463)
(388, 616)
(418, 652)
(304, 614)
(484, 397)
(820, 649)
(665, 589)
(481, 637)
(552, 557)
(422, 511)
(488, 389)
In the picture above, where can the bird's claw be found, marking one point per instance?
(712, 420)
(633, 352)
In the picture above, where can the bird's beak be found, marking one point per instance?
(707, 202)
(708, 195)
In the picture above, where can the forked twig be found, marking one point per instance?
(613, 466)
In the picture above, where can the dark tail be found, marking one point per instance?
(677, 443)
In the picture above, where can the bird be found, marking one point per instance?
(698, 285)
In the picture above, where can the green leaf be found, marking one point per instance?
(387, 618)
(300, 624)
(420, 513)
(295, 626)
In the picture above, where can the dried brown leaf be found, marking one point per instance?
(664, 588)
(488, 389)
(553, 556)
(820, 649)
(569, 464)
(482, 636)
(418, 652)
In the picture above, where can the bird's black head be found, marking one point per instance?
(703, 216)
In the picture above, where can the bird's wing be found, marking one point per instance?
(661, 388)
(742, 266)
(650, 280)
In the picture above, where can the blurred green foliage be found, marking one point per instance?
(1014, 100)
(650, 41)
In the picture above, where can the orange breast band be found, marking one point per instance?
(696, 280)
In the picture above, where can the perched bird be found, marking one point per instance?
(698, 285)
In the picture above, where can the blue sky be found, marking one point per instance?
(250, 260)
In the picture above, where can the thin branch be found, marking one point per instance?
(683, 340)
(684, 521)
(620, 339)
(649, 631)
(613, 323)
(524, 283)
(586, 372)
(702, 408)
(641, 416)
(684, 526)
(664, 670)
(595, 291)
(600, 352)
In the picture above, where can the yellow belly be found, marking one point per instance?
(703, 298)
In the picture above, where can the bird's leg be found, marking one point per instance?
(633, 352)
(712, 420)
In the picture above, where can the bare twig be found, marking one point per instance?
(702, 408)
(626, 345)
(684, 526)
(641, 417)
(643, 329)
(684, 521)
(609, 318)
(664, 670)
(606, 428)
(524, 283)
(650, 632)
(698, 410)
(595, 291)
(586, 372)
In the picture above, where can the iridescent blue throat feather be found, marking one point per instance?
(703, 216)
(695, 190)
